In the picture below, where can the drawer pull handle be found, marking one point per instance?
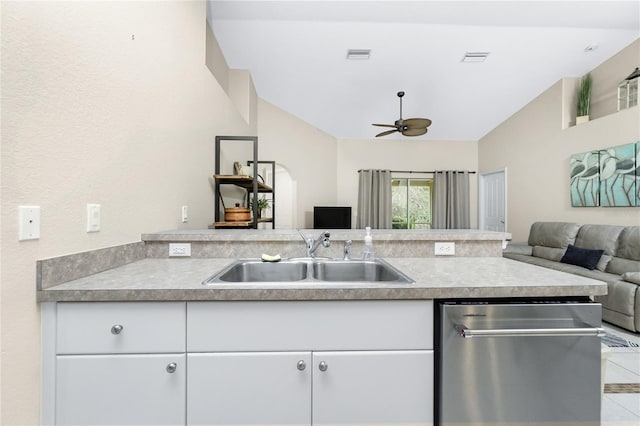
(323, 366)
(301, 365)
(116, 329)
(171, 367)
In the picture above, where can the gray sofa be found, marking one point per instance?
(619, 265)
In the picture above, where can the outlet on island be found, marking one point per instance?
(179, 249)
(444, 249)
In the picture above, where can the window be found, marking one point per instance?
(411, 203)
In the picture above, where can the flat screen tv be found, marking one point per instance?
(331, 217)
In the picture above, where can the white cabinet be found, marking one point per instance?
(119, 364)
(120, 389)
(378, 387)
(353, 362)
(252, 388)
(380, 371)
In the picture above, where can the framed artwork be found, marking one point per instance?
(619, 176)
(585, 179)
(606, 177)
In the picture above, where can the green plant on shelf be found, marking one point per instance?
(263, 204)
(584, 96)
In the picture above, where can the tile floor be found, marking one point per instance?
(623, 366)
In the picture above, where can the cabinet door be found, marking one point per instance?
(257, 388)
(120, 389)
(365, 388)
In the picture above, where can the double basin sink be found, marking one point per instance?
(310, 270)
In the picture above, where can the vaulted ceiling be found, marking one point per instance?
(296, 52)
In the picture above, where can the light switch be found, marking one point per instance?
(93, 217)
(29, 223)
(185, 214)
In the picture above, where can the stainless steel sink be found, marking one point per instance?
(258, 271)
(357, 270)
(309, 270)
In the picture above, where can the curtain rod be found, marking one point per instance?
(413, 171)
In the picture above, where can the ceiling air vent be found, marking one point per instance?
(358, 53)
(475, 56)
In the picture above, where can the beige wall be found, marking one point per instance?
(91, 116)
(307, 153)
(402, 154)
(535, 149)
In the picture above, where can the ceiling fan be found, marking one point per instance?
(408, 127)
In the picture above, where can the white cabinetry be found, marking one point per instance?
(335, 363)
(366, 388)
(238, 363)
(120, 364)
(252, 388)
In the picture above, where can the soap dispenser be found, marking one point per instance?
(368, 245)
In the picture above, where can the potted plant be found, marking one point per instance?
(584, 99)
(263, 203)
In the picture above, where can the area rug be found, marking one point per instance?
(614, 341)
(622, 388)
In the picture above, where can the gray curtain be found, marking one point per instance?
(374, 199)
(451, 200)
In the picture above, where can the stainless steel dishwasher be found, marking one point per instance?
(534, 363)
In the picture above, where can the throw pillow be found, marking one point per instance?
(632, 277)
(582, 257)
(604, 261)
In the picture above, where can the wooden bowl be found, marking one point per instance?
(237, 214)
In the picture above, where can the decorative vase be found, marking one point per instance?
(582, 119)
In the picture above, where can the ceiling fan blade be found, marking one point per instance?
(386, 132)
(415, 131)
(384, 125)
(413, 123)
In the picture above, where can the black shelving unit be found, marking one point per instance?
(251, 184)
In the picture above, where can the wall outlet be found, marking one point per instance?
(179, 249)
(29, 223)
(445, 249)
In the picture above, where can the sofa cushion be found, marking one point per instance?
(632, 277)
(619, 266)
(629, 243)
(551, 253)
(519, 247)
(553, 234)
(582, 257)
(620, 297)
(599, 237)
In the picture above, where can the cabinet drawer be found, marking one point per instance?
(128, 327)
(309, 325)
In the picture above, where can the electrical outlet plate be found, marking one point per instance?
(179, 249)
(29, 223)
(445, 249)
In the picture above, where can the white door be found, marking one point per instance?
(493, 215)
(249, 388)
(373, 387)
(120, 389)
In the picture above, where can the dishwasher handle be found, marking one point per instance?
(468, 333)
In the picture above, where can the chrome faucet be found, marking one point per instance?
(313, 245)
(347, 250)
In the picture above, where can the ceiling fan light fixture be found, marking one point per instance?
(358, 54)
(475, 57)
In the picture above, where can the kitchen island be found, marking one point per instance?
(133, 328)
(144, 271)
